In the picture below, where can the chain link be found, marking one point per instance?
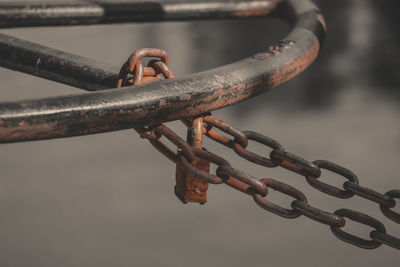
(363, 219)
(255, 158)
(258, 188)
(285, 189)
(328, 189)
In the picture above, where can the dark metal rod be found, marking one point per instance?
(157, 102)
(39, 13)
(52, 64)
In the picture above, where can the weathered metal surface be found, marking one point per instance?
(259, 188)
(329, 189)
(130, 66)
(188, 187)
(363, 219)
(198, 172)
(47, 13)
(162, 101)
(285, 189)
(157, 102)
(250, 156)
(294, 163)
(55, 65)
(386, 239)
(394, 216)
(215, 122)
(318, 215)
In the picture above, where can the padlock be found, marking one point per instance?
(188, 187)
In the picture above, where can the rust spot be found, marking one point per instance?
(185, 97)
(188, 187)
(162, 104)
(31, 131)
(276, 49)
(219, 78)
(140, 112)
(294, 66)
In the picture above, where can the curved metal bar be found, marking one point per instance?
(30, 14)
(157, 102)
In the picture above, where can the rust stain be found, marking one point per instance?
(295, 66)
(185, 97)
(274, 50)
(162, 104)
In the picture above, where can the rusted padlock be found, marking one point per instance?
(189, 188)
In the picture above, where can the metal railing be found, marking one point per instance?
(117, 109)
(143, 101)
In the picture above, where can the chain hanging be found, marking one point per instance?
(188, 155)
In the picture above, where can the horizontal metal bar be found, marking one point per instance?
(41, 13)
(52, 64)
(157, 102)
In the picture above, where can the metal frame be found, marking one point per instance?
(128, 107)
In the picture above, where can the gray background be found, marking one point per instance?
(107, 199)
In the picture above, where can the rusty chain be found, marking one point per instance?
(258, 188)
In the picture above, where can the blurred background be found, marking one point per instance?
(107, 199)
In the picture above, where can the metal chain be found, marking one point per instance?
(312, 171)
(258, 188)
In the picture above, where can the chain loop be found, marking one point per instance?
(254, 186)
(394, 216)
(239, 137)
(130, 64)
(329, 189)
(385, 238)
(204, 154)
(363, 219)
(161, 67)
(294, 163)
(139, 73)
(370, 194)
(285, 189)
(189, 153)
(255, 158)
(176, 140)
(318, 214)
(154, 138)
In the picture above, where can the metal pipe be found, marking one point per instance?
(41, 13)
(55, 65)
(157, 102)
